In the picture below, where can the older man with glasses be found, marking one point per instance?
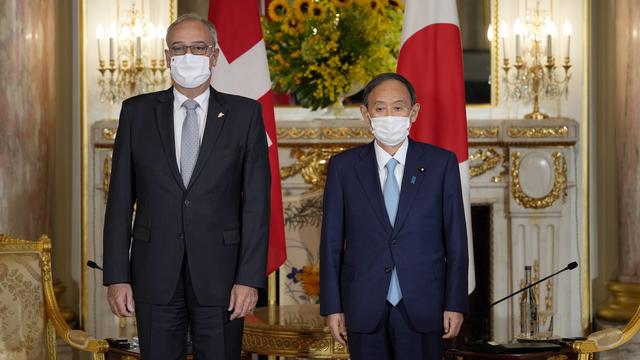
(195, 162)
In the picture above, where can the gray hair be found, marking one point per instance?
(194, 17)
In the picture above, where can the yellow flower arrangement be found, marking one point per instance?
(318, 49)
(310, 278)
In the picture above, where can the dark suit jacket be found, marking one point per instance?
(220, 221)
(427, 245)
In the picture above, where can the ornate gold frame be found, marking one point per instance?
(559, 189)
(56, 324)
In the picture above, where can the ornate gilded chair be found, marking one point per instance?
(607, 339)
(29, 314)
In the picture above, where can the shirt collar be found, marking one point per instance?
(202, 99)
(383, 157)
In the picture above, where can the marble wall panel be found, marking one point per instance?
(27, 42)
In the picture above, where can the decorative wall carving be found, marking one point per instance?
(538, 132)
(559, 189)
(489, 158)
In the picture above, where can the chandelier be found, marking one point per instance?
(535, 76)
(135, 62)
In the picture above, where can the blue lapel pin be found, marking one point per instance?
(413, 179)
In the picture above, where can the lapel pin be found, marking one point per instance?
(421, 169)
(220, 114)
(413, 179)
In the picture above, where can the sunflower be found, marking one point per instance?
(291, 26)
(278, 9)
(317, 12)
(302, 8)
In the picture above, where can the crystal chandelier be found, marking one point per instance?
(535, 76)
(135, 62)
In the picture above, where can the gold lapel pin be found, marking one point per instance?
(221, 114)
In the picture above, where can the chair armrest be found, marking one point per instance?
(75, 338)
(598, 341)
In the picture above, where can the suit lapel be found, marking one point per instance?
(212, 129)
(164, 122)
(367, 173)
(411, 182)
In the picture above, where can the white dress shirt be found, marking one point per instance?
(180, 112)
(383, 158)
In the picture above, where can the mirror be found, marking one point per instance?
(475, 17)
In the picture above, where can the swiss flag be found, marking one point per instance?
(431, 58)
(242, 70)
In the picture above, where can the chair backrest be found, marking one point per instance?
(25, 330)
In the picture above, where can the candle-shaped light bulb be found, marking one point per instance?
(567, 29)
(552, 31)
(161, 32)
(490, 33)
(151, 39)
(518, 29)
(99, 32)
(503, 32)
(125, 33)
(99, 37)
(137, 31)
(111, 33)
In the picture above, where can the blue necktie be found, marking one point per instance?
(391, 192)
(189, 142)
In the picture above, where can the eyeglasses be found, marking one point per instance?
(196, 49)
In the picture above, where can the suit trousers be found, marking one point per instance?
(162, 328)
(395, 339)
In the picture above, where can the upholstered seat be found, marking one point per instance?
(29, 314)
(607, 339)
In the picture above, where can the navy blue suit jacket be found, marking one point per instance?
(428, 244)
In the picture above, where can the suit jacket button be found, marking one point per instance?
(394, 241)
(181, 236)
(187, 203)
(387, 269)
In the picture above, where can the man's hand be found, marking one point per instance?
(120, 298)
(452, 324)
(338, 328)
(243, 300)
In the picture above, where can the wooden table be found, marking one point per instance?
(290, 331)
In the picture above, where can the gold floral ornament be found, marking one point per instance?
(319, 50)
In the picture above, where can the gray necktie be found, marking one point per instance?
(391, 192)
(190, 141)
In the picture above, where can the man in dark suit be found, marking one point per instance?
(194, 162)
(393, 252)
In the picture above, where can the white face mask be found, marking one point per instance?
(190, 70)
(391, 130)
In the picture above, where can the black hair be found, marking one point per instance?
(382, 78)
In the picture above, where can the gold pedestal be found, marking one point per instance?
(624, 300)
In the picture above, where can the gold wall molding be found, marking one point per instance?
(109, 134)
(559, 189)
(324, 133)
(483, 132)
(540, 132)
(106, 176)
(489, 158)
(311, 163)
